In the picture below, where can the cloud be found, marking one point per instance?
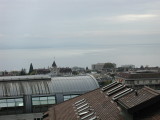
(128, 18)
(135, 17)
(2, 35)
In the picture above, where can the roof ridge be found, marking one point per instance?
(152, 90)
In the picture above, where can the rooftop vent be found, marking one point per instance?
(136, 93)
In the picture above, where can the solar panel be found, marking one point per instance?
(109, 86)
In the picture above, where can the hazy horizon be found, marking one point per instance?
(78, 33)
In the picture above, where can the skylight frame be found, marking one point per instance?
(121, 94)
(109, 86)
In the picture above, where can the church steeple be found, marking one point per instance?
(54, 69)
(54, 64)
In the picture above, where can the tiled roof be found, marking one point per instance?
(99, 105)
(97, 101)
(134, 99)
(102, 106)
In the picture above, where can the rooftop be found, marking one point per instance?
(138, 75)
(104, 103)
(137, 98)
(42, 84)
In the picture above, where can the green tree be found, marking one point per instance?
(23, 71)
(109, 65)
(75, 73)
(30, 69)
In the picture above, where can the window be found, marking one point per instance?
(19, 102)
(3, 103)
(43, 100)
(11, 106)
(35, 101)
(41, 104)
(67, 97)
(11, 102)
(51, 100)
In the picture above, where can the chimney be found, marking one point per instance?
(136, 93)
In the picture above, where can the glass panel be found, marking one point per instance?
(19, 99)
(51, 101)
(35, 98)
(11, 102)
(72, 96)
(51, 97)
(35, 101)
(3, 101)
(43, 100)
(19, 102)
(3, 105)
(67, 97)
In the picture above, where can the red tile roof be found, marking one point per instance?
(131, 100)
(98, 104)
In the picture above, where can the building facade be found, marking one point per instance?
(36, 93)
(98, 66)
(139, 79)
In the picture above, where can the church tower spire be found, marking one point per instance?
(54, 69)
(54, 64)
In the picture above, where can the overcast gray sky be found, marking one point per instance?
(79, 32)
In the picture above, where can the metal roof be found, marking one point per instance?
(26, 77)
(40, 85)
